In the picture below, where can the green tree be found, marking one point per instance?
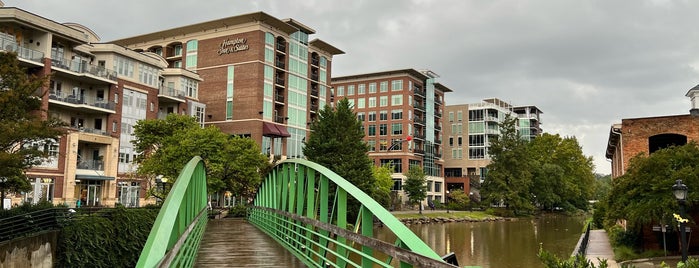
(458, 200)
(24, 131)
(233, 163)
(562, 176)
(336, 142)
(643, 194)
(603, 184)
(384, 183)
(415, 185)
(509, 177)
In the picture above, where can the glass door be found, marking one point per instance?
(93, 195)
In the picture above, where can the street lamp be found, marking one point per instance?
(2, 192)
(446, 201)
(680, 192)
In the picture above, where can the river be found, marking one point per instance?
(501, 243)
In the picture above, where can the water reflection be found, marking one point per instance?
(499, 244)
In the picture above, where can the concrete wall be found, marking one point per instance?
(36, 251)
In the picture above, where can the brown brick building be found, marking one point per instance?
(261, 77)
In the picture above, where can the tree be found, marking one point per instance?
(458, 200)
(643, 194)
(336, 142)
(24, 131)
(415, 185)
(562, 176)
(509, 177)
(384, 183)
(233, 163)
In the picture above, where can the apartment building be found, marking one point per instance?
(401, 112)
(471, 127)
(100, 90)
(261, 77)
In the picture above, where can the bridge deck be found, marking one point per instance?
(236, 243)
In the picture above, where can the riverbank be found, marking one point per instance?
(442, 216)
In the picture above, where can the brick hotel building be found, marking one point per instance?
(395, 105)
(261, 76)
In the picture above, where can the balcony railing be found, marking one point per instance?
(438, 128)
(279, 98)
(22, 52)
(314, 107)
(314, 91)
(72, 99)
(91, 130)
(438, 101)
(419, 151)
(280, 64)
(419, 92)
(279, 81)
(419, 120)
(314, 77)
(281, 47)
(419, 106)
(437, 114)
(279, 119)
(419, 136)
(438, 141)
(172, 92)
(314, 61)
(91, 165)
(84, 68)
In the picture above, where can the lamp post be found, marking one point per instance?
(2, 192)
(680, 192)
(446, 201)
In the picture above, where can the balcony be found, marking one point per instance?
(438, 128)
(438, 141)
(281, 47)
(279, 119)
(418, 151)
(419, 120)
(22, 52)
(419, 92)
(314, 61)
(77, 101)
(280, 64)
(314, 107)
(437, 114)
(314, 91)
(438, 155)
(314, 76)
(91, 130)
(171, 93)
(91, 165)
(84, 68)
(419, 136)
(279, 98)
(279, 81)
(419, 106)
(438, 101)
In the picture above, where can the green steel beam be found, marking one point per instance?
(180, 219)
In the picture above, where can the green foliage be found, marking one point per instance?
(578, 261)
(691, 263)
(238, 211)
(21, 124)
(384, 183)
(232, 163)
(643, 194)
(25, 208)
(415, 185)
(458, 200)
(111, 238)
(509, 178)
(336, 142)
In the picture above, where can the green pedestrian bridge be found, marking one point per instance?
(303, 206)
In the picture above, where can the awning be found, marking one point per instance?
(93, 177)
(274, 130)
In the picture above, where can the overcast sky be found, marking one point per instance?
(585, 64)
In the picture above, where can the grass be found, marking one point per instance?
(475, 215)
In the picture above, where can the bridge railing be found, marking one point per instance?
(179, 227)
(581, 247)
(303, 206)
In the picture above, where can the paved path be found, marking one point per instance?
(599, 247)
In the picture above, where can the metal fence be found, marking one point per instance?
(581, 248)
(33, 222)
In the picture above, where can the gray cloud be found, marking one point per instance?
(586, 64)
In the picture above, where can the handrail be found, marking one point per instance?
(180, 212)
(33, 222)
(301, 188)
(581, 247)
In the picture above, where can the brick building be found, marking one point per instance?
(394, 105)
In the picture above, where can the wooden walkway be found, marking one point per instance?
(236, 243)
(599, 247)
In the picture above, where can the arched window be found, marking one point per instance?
(661, 141)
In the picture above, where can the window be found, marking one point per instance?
(397, 114)
(397, 129)
(372, 145)
(396, 100)
(177, 50)
(383, 145)
(383, 129)
(372, 102)
(340, 91)
(475, 115)
(124, 66)
(395, 164)
(383, 115)
(451, 116)
(372, 130)
(350, 90)
(383, 86)
(372, 116)
(397, 184)
(372, 88)
(361, 89)
(383, 101)
(460, 141)
(396, 85)
(451, 141)
(361, 117)
(476, 140)
(191, 60)
(476, 153)
(437, 186)
(269, 39)
(459, 115)
(361, 103)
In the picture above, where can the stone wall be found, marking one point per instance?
(36, 251)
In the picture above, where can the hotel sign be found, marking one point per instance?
(233, 45)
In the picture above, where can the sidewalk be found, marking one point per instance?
(599, 247)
